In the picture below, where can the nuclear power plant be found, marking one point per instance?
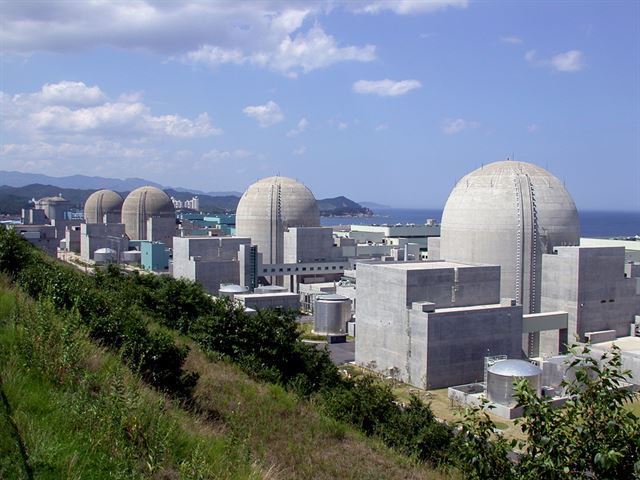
(495, 292)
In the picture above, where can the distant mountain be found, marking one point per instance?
(375, 206)
(341, 206)
(21, 179)
(12, 199)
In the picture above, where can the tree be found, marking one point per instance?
(592, 436)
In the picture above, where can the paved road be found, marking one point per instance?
(341, 353)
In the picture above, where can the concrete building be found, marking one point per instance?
(148, 214)
(589, 283)
(154, 256)
(94, 236)
(103, 206)
(210, 261)
(54, 208)
(431, 324)
(268, 208)
(509, 213)
(632, 247)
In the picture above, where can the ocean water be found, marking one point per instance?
(592, 223)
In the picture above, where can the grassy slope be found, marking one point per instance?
(82, 414)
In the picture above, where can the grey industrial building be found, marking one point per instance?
(148, 214)
(435, 330)
(432, 323)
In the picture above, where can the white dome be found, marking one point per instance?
(509, 213)
(101, 203)
(140, 205)
(268, 208)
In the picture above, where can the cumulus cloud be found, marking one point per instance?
(266, 115)
(386, 87)
(68, 127)
(268, 34)
(406, 7)
(382, 126)
(343, 125)
(533, 127)
(571, 61)
(451, 126)
(303, 53)
(61, 110)
(300, 127)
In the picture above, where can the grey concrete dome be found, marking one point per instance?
(509, 213)
(101, 203)
(141, 205)
(268, 208)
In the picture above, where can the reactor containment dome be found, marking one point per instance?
(101, 203)
(141, 205)
(509, 213)
(268, 208)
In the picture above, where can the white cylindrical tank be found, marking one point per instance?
(231, 290)
(502, 374)
(105, 255)
(331, 314)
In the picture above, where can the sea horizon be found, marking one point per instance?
(593, 223)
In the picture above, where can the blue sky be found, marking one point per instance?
(382, 101)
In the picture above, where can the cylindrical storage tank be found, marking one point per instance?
(270, 289)
(331, 314)
(105, 255)
(231, 290)
(132, 256)
(502, 374)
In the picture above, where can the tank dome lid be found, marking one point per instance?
(514, 368)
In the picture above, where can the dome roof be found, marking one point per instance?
(514, 368)
(509, 213)
(269, 207)
(140, 205)
(100, 203)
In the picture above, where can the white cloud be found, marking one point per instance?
(343, 126)
(511, 39)
(268, 34)
(407, 7)
(382, 126)
(59, 110)
(533, 127)
(71, 93)
(571, 61)
(452, 126)
(300, 151)
(303, 53)
(301, 127)
(386, 87)
(266, 115)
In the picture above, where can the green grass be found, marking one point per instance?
(93, 419)
(81, 413)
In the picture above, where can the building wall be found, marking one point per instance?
(459, 340)
(99, 235)
(209, 261)
(589, 284)
(392, 336)
(308, 244)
